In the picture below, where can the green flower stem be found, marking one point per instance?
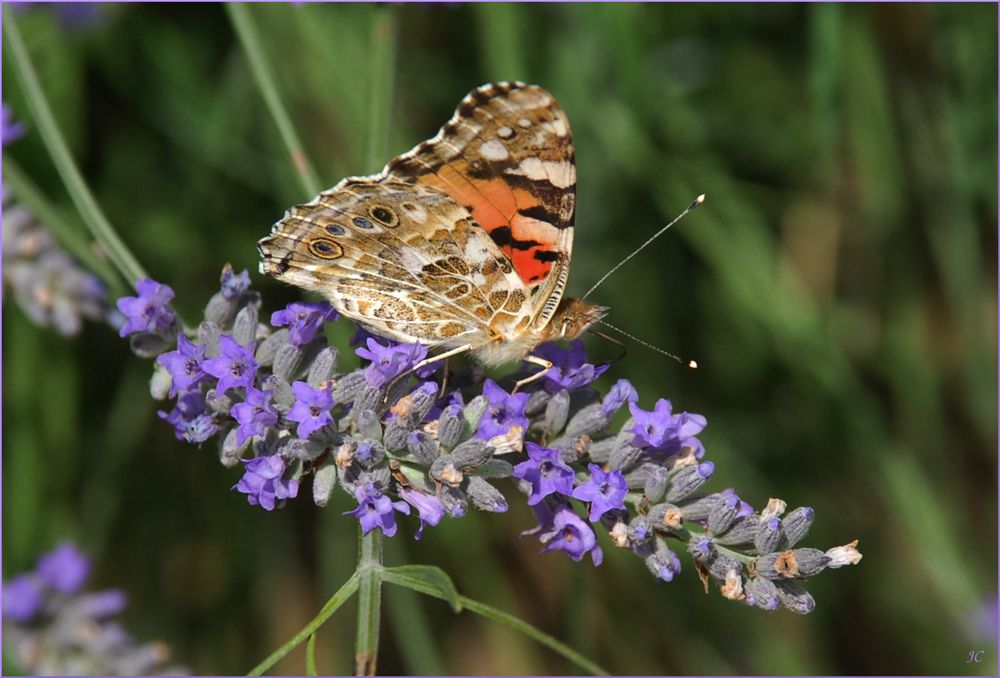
(369, 603)
(239, 16)
(68, 235)
(311, 656)
(384, 31)
(91, 213)
(331, 606)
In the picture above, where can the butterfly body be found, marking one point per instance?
(463, 243)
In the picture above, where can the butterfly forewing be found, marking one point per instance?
(507, 156)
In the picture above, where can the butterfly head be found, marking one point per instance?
(572, 319)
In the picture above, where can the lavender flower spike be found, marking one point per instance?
(184, 364)
(234, 366)
(546, 473)
(376, 510)
(311, 409)
(263, 484)
(604, 491)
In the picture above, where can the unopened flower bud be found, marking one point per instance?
(324, 480)
(486, 497)
(689, 479)
(346, 388)
(556, 413)
(221, 310)
(770, 535)
(656, 483)
(286, 361)
(794, 564)
(797, 524)
(743, 531)
(587, 421)
(762, 593)
(269, 347)
(245, 326)
(793, 597)
(451, 426)
(323, 367)
(723, 514)
(421, 447)
(471, 453)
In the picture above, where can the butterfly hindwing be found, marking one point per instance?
(404, 259)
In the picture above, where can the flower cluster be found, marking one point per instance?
(384, 433)
(47, 283)
(52, 627)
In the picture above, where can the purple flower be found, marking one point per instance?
(430, 507)
(389, 361)
(190, 406)
(254, 415)
(604, 491)
(234, 284)
(665, 432)
(9, 130)
(263, 484)
(184, 364)
(505, 410)
(64, 569)
(622, 392)
(22, 598)
(234, 366)
(311, 409)
(570, 368)
(304, 318)
(574, 536)
(148, 312)
(376, 510)
(546, 472)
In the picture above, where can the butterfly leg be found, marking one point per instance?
(535, 360)
(424, 363)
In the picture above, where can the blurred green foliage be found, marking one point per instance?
(838, 289)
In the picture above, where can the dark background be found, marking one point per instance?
(838, 289)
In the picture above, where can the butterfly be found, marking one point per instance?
(462, 244)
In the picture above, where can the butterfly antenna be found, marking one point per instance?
(689, 363)
(697, 201)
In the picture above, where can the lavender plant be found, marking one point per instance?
(50, 285)
(52, 626)
(280, 403)
(277, 401)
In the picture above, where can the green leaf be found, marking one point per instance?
(332, 605)
(427, 579)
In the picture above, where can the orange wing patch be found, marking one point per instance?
(507, 156)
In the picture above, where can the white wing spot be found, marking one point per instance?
(559, 173)
(505, 132)
(493, 150)
(524, 122)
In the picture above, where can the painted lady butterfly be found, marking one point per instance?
(462, 244)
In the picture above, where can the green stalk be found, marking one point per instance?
(370, 549)
(383, 75)
(92, 214)
(369, 603)
(239, 16)
(69, 237)
(332, 605)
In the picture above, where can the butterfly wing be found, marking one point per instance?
(507, 156)
(403, 259)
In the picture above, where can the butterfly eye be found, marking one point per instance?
(361, 222)
(335, 229)
(384, 216)
(325, 249)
